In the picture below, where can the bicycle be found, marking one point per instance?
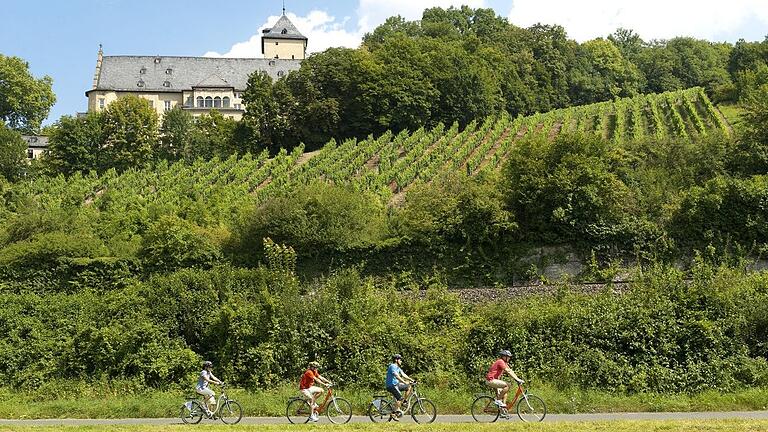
(338, 410)
(422, 410)
(529, 408)
(228, 410)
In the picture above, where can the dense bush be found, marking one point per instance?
(666, 334)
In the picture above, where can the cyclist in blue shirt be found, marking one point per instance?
(397, 382)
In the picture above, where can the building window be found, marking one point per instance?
(225, 102)
(189, 101)
(167, 105)
(151, 103)
(157, 60)
(208, 102)
(140, 83)
(293, 57)
(169, 71)
(200, 102)
(217, 102)
(166, 83)
(237, 106)
(285, 31)
(271, 62)
(30, 154)
(101, 103)
(277, 43)
(143, 70)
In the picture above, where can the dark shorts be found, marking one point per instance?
(397, 390)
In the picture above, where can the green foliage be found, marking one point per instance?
(724, 210)
(13, 155)
(75, 144)
(567, 190)
(314, 220)
(129, 133)
(455, 211)
(175, 134)
(171, 243)
(24, 100)
(751, 154)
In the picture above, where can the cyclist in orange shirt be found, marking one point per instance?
(308, 388)
(492, 378)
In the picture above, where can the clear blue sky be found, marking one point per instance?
(61, 38)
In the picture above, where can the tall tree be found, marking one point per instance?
(175, 133)
(12, 154)
(75, 144)
(130, 133)
(24, 100)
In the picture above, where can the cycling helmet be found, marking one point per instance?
(504, 353)
(207, 364)
(314, 364)
(397, 357)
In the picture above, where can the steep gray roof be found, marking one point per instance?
(174, 74)
(283, 29)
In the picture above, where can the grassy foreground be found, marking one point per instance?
(614, 426)
(112, 402)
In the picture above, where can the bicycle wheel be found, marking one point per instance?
(531, 408)
(298, 411)
(339, 411)
(381, 413)
(193, 414)
(230, 412)
(423, 411)
(484, 410)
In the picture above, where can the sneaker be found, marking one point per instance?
(314, 417)
(399, 413)
(394, 417)
(209, 413)
(499, 403)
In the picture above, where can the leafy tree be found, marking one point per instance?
(13, 156)
(24, 100)
(212, 135)
(604, 74)
(175, 133)
(130, 136)
(172, 243)
(392, 27)
(568, 190)
(750, 155)
(628, 42)
(75, 144)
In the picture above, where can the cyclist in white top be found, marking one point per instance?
(206, 376)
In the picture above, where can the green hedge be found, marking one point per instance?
(261, 327)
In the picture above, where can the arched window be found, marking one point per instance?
(225, 102)
(200, 102)
(208, 102)
(217, 102)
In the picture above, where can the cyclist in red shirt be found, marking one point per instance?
(492, 378)
(308, 388)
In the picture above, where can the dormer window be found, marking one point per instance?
(271, 62)
(285, 31)
(280, 73)
(157, 60)
(166, 83)
(142, 71)
(169, 71)
(140, 83)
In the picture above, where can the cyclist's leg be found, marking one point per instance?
(501, 387)
(395, 391)
(209, 400)
(315, 391)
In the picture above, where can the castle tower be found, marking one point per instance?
(283, 41)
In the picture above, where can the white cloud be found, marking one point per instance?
(651, 19)
(324, 31)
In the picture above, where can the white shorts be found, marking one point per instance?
(310, 392)
(496, 384)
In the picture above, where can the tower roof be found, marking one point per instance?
(283, 29)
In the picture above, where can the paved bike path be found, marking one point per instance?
(756, 415)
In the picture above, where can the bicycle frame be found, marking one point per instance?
(326, 401)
